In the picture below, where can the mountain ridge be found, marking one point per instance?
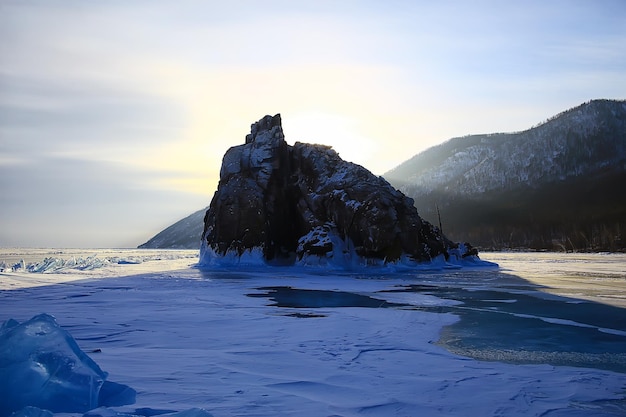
(562, 141)
(184, 234)
(550, 187)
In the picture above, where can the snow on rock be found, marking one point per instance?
(249, 257)
(42, 366)
(303, 204)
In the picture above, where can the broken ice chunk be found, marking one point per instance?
(42, 366)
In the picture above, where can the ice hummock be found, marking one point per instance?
(52, 264)
(70, 261)
(42, 366)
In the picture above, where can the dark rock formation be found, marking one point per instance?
(301, 202)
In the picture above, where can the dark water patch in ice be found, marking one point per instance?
(301, 298)
(531, 327)
(496, 325)
(151, 412)
(78, 295)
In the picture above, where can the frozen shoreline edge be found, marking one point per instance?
(341, 259)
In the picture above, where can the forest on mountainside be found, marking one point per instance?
(557, 186)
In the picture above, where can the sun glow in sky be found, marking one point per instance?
(114, 116)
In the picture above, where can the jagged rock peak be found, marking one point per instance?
(269, 127)
(303, 203)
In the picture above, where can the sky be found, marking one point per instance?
(115, 115)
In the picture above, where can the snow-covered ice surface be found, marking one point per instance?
(544, 335)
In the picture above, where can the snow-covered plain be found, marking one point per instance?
(544, 335)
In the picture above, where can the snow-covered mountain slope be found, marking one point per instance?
(184, 234)
(585, 139)
(558, 181)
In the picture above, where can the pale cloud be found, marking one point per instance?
(52, 202)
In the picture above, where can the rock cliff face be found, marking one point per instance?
(303, 203)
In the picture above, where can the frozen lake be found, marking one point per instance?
(543, 335)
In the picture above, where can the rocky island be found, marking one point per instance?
(279, 204)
